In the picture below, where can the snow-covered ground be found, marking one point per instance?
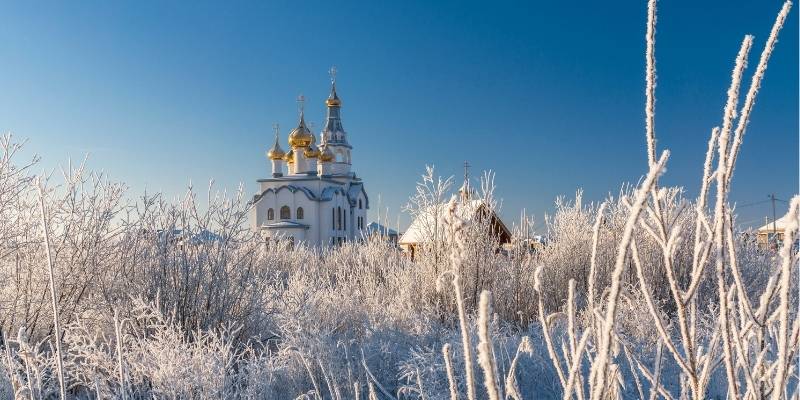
(646, 295)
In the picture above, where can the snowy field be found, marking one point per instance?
(647, 295)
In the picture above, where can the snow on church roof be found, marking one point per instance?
(285, 224)
(425, 223)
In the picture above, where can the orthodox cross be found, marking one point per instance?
(466, 171)
(332, 72)
(301, 102)
(275, 128)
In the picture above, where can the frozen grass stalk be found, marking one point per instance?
(720, 212)
(512, 387)
(118, 334)
(600, 365)
(755, 85)
(451, 379)
(53, 296)
(456, 225)
(485, 348)
(650, 77)
(788, 259)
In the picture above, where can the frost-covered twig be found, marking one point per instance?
(788, 259)
(485, 348)
(372, 380)
(53, 296)
(512, 387)
(593, 260)
(720, 211)
(600, 364)
(118, 338)
(545, 325)
(755, 85)
(650, 78)
(456, 225)
(451, 379)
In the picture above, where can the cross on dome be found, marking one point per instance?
(332, 72)
(301, 103)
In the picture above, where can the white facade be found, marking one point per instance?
(312, 196)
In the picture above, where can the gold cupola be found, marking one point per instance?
(311, 151)
(301, 136)
(276, 152)
(326, 155)
(289, 156)
(333, 98)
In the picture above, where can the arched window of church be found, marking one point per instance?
(300, 213)
(286, 212)
(339, 216)
(333, 218)
(359, 204)
(270, 214)
(344, 220)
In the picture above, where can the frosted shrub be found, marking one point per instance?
(645, 295)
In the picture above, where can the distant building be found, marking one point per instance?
(428, 222)
(180, 237)
(312, 197)
(533, 244)
(375, 229)
(771, 234)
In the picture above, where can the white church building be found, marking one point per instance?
(313, 196)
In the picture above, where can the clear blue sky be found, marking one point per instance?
(549, 95)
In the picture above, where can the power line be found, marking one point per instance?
(755, 203)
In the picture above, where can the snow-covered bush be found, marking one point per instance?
(645, 295)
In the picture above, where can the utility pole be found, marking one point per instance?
(774, 223)
(466, 172)
(465, 189)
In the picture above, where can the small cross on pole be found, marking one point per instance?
(301, 102)
(332, 72)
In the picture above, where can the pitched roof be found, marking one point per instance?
(780, 224)
(425, 222)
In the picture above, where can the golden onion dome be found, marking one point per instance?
(333, 99)
(333, 102)
(326, 155)
(276, 152)
(301, 136)
(311, 151)
(289, 156)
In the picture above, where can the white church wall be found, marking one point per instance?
(264, 203)
(360, 211)
(309, 213)
(337, 168)
(325, 223)
(285, 197)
